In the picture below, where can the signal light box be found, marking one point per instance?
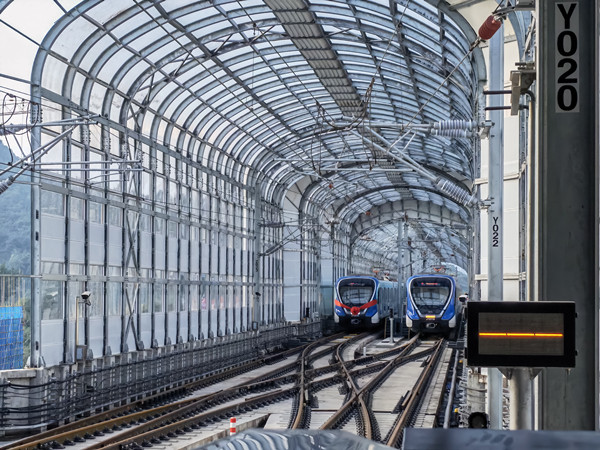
(521, 334)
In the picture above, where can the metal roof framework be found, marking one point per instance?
(273, 93)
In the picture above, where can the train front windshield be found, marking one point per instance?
(430, 295)
(355, 292)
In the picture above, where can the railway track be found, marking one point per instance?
(294, 390)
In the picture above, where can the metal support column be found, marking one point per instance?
(521, 417)
(495, 212)
(403, 250)
(35, 359)
(255, 300)
(567, 260)
(521, 386)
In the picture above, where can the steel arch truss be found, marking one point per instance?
(433, 235)
(227, 110)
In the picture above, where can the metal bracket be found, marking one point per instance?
(521, 80)
(508, 372)
(485, 204)
(484, 129)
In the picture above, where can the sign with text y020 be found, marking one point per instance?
(566, 22)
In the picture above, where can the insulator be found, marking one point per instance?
(452, 133)
(457, 193)
(489, 28)
(5, 184)
(454, 124)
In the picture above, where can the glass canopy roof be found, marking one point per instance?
(351, 102)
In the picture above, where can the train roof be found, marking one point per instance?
(366, 276)
(441, 275)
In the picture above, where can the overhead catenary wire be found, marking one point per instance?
(35, 155)
(450, 129)
(167, 167)
(252, 110)
(386, 50)
(444, 185)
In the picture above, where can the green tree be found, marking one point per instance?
(15, 221)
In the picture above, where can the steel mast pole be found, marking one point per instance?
(495, 211)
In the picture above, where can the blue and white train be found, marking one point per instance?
(432, 304)
(363, 301)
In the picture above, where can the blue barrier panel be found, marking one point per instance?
(11, 337)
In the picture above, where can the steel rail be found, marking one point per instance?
(303, 392)
(165, 426)
(156, 429)
(105, 422)
(411, 401)
(344, 410)
(185, 408)
(130, 411)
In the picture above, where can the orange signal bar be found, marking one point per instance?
(486, 334)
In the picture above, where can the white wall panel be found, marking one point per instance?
(172, 332)
(130, 338)
(204, 308)
(96, 343)
(222, 261)
(96, 243)
(193, 328)
(159, 328)
(214, 261)
(291, 306)
(114, 334)
(115, 245)
(205, 259)
(76, 241)
(214, 304)
(146, 329)
(183, 326)
(291, 283)
(231, 269)
(159, 250)
(512, 255)
(195, 258)
(145, 249)
(52, 337)
(172, 254)
(53, 238)
(245, 262)
(184, 261)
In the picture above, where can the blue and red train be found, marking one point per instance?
(363, 301)
(432, 304)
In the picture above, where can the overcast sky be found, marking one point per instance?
(33, 18)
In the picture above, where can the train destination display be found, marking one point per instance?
(521, 334)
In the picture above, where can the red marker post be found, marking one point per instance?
(232, 429)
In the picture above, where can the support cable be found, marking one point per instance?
(35, 155)
(446, 186)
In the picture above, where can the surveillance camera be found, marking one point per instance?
(85, 295)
